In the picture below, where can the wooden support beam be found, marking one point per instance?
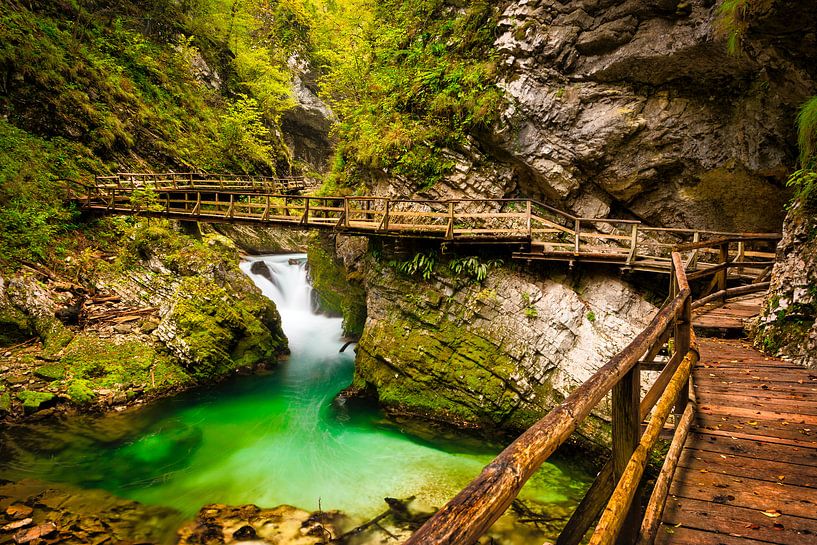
(626, 435)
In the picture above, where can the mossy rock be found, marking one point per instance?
(50, 372)
(80, 392)
(337, 293)
(5, 403)
(14, 327)
(217, 333)
(104, 364)
(34, 401)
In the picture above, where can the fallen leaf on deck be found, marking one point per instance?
(772, 513)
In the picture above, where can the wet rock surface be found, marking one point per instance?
(39, 513)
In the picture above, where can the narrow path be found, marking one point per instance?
(748, 472)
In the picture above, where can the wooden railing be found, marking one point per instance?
(176, 181)
(667, 345)
(669, 338)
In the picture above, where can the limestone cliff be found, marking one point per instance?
(637, 109)
(788, 325)
(492, 354)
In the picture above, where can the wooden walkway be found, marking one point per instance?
(734, 315)
(531, 230)
(748, 471)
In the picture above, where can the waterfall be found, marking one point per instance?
(310, 334)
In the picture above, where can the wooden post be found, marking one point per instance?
(529, 226)
(346, 211)
(305, 217)
(386, 217)
(741, 255)
(626, 436)
(633, 245)
(723, 275)
(449, 232)
(266, 210)
(578, 227)
(286, 206)
(683, 340)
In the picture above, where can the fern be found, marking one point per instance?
(473, 267)
(807, 133)
(421, 263)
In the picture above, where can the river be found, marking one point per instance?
(276, 438)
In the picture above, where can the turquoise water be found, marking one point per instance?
(270, 439)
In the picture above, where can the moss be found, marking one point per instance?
(104, 364)
(219, 334)
(54, 334)
(337, 292)
(5, 403)
(451, 370)
(34, 401)
(14, 327)
(80, 392)
(50, 372)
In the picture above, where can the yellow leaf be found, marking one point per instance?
(772, 513)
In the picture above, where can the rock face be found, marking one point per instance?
(788, 325)
(37, 512)
(636, 108)
(500, 353)
(170, 313)
(306, 126)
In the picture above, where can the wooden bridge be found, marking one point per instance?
(740, 467)
(531, 229)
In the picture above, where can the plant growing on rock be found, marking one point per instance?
(422, 264)
(473, 268)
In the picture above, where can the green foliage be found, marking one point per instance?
(531, 313)
(243, 137)
(807, 133)
(408, 80)
(472, 267)
(591, 316)
(804, 180)
(732, 23)
(422, 264)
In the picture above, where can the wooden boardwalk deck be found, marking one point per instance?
(748, 471)
(733, 315)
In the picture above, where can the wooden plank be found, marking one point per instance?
(740, 522)
(759, 428)
(671, 535)
(773, 471)
(744, 491)
(758, 449)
